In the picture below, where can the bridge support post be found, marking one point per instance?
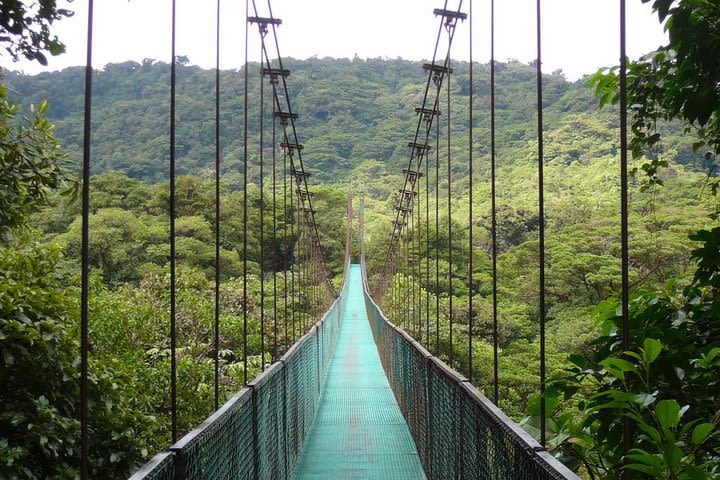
(180, 465)
(254, 404)
(429, 441)
(286, 466)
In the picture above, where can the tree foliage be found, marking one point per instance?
(25, 28)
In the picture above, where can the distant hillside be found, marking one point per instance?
(350, 112)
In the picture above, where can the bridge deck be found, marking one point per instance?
(359, 431)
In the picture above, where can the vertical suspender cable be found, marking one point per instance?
(245, 198)
(419, 256)
(624, 253)
(541, 215)
(306, 272)
(470, 211)
(493, 207)
(406, 282)
(295, 252)
(301, 273)
(173, 333)
(274, 236)
(437, 233)
(449, 222)
(411, 266)
(262, 207)
(286, 250)
(427, 250)
(217, 207)
(85, 257)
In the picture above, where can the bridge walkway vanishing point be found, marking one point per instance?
(356, 398)
(359, 430)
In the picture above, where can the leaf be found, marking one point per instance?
(651, 350)
(673, 455)
(8, 358)
(651, 431)
(577, 360)
(644, 399)
(668, 413)
(700, 432)
(618, 366)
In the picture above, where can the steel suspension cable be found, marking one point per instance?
(216, 339)
(406, 204)
(85, 258)
(295, 259)
(296, 142)
(286, 249)
(395, 238)
(493, 208)
(411, 268)
(427, 250)
(449, 222)
(261, 262)
(541, 215)
(311, 268)
(624, 233)
(245, 197)
(406, 300)
(437, 235)
(301, 272)
(470, 195)
(173, 333)
(274, 235)
(419, 257)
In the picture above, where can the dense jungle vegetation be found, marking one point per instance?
(356, 117)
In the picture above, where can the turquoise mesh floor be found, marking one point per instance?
(359, 431)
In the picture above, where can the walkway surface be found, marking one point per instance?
(359, 431)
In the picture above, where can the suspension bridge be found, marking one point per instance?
(348, 393)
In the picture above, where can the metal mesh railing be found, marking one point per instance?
(458, 432)
(259, 432)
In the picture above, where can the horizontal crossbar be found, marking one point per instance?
(264, 20)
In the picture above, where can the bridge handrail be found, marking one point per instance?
(459, 432)
(260, 431)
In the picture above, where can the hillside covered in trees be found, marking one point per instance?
(351, 111)
(356, 117)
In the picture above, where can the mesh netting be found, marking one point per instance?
(259, 433)
(458, 432)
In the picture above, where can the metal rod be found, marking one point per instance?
(173, 333)
(470, 211)
(295, 256)
(417, 132)
(286, 250)
(541, 216)
(493, 207)
(419, 258)
(245, 199)
(449, 224)
(274, 237)
(624, 248)
(85, 258)
(437, 236)
(217, 208)
(427, 250)
(295, 136)
(261, 261)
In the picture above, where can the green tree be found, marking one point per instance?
(26, 27)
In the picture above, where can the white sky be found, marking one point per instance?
(578, 35)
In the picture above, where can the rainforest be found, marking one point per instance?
(356, 117)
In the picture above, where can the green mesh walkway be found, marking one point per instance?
(359, 431)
